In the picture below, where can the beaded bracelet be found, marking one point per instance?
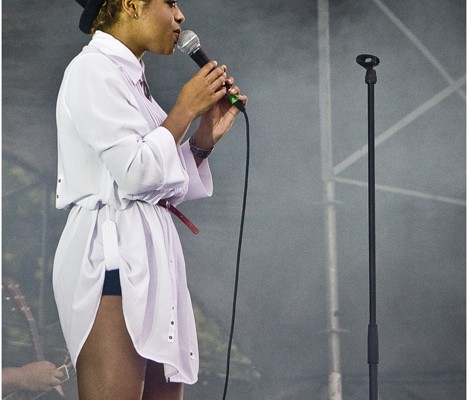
(197, 152)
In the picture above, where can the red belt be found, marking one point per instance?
(178, 214)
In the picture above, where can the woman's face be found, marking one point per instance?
(159, 26)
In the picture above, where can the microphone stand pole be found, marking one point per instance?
(369, 62)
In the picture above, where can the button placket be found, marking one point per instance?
(59, 181)
(172, 325)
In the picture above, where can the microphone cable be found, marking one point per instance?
(239, 248)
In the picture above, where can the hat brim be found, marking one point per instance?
(90, 12)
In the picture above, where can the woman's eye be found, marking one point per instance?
(172, 3)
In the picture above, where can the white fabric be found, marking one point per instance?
(115, 162)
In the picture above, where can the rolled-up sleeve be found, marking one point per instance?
(139, 159)
(200, 179)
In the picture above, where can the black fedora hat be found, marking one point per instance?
(90, 12)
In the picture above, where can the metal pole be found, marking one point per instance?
(334, 377)
(369, 62)
(373, 345)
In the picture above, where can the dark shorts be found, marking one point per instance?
(112, 284)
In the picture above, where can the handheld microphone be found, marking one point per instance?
(189, 44)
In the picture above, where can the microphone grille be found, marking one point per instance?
(188, 42)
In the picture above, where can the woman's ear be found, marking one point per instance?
(132, 8)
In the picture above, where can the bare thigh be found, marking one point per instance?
(108, 366)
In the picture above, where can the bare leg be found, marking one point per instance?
(156, 387)
(108, 366)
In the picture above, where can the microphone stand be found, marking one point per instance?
(368, 62)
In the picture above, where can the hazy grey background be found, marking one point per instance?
(271, 47)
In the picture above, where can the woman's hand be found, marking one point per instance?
(205, 89)
(217, 121)
(200, 94)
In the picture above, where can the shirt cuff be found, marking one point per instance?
(200, 179)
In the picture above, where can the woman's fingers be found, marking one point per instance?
(214, 76)
(234, 90)
(211, 84)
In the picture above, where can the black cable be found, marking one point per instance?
(239, 247)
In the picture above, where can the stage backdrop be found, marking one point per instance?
(282, 333)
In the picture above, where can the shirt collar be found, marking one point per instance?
(120, 53)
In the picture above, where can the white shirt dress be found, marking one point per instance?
(115, 162)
